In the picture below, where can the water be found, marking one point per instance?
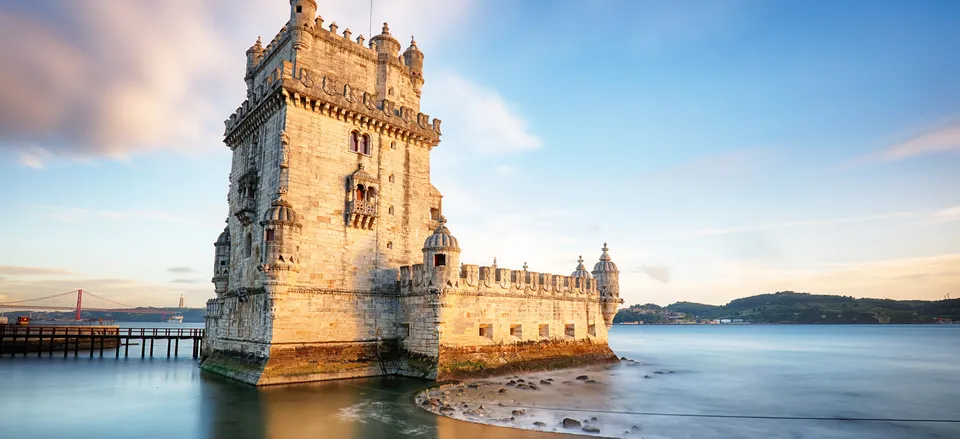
(817, 371)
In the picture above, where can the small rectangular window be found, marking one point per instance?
(544, 331)
(516, 331)
(439, 260)
(592, 330)
(570, 331)
(299, 9)
(434, 213)
(486, 330)
(404, 330)
(269, 235)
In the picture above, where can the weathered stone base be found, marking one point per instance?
(297, 363)
(236, 365)
(480, 361)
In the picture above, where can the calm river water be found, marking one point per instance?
(870, 371)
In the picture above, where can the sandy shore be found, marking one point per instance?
(571, 401)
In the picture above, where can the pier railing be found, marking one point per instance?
(66, 339)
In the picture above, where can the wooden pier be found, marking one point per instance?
(64, 340)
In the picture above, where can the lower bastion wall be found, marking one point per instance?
(237, 340)
(302, 335)
(323, 334)
(491, 321)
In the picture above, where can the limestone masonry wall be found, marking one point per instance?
(336, 261)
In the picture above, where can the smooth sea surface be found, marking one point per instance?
(822, 371)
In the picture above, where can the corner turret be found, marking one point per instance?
(385, 43)
(254, 55)
(302, 13)
(413, 59)
(221, 262)
(441, 256)
(608, 282)
(280, 225)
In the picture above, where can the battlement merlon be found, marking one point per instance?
(297, 61)
(492, 279)
(328, 97)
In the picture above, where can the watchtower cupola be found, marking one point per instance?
(608, 282)
(413, 59)
(581, 270)
(302, 13)
(441, 255)
(280, 225)
(221, 262)
(386, 43)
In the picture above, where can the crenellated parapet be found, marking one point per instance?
(328, 96)
(493, 280)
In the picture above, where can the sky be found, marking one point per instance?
(722, 148)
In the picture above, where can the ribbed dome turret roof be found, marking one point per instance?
(581, 271)
(224, 238)
(605, 264)
(280, 212)
(441, 239)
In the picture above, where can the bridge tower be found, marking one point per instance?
(79, 303)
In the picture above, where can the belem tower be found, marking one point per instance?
(336, 260)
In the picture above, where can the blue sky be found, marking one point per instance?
(722, 148)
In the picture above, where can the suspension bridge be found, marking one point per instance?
(80, 300)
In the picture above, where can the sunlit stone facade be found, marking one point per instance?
(336, 261)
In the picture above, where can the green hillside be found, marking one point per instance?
(791, 307)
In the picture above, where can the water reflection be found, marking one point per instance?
(356, 408)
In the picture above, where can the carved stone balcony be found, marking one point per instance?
(362, 214)
(246, 210)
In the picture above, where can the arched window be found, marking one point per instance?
(248, 246)
(393, 145)
(354, 141)
(365, 144)
(361, 193)
(390, 179)
(372, 194)
(390, 210)
(390, 245)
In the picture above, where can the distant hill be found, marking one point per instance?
(791, 307)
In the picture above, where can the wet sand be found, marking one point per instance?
(571, 401)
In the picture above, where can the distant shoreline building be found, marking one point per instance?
(336, 261)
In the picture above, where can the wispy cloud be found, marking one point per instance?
(938, 140)
(183, 270)
(34, 157)
(57, 87)
(12, 270)
(185, 281)
(947, 215)
(658, 273)
(479, 117)
(806, 223)
(72, 214)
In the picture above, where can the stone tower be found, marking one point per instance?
(329, 195)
